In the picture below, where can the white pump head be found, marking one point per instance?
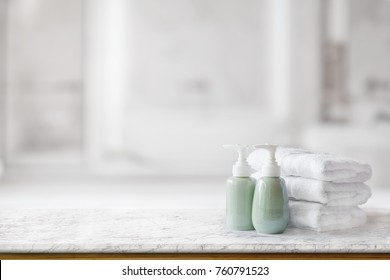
(270, 167)
(241, 168)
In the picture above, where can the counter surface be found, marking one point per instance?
(171, 231)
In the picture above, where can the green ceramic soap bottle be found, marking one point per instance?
(270, 210)
(239, 192)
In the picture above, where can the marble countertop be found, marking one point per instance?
(163, 231)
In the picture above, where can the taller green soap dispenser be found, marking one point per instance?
(239, 191)
(270, 210)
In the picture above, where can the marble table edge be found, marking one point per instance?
(205, 248)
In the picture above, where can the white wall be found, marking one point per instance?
(200, 73)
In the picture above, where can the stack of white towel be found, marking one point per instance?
(324, 190)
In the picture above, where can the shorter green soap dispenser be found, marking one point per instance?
(270, 210)
(239, 192)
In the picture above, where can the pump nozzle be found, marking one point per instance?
(241, 168)
(270, 167)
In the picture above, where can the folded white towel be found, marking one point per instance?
(320, 166)
(318, 217)
(328, 193)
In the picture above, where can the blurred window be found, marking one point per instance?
(43, 103)
(147, 86)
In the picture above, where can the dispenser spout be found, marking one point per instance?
(270, 168)
(241, 168)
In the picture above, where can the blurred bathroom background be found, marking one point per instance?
(140, 95)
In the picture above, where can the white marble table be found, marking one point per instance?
(171, 231)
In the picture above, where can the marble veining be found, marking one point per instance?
(155, 231)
